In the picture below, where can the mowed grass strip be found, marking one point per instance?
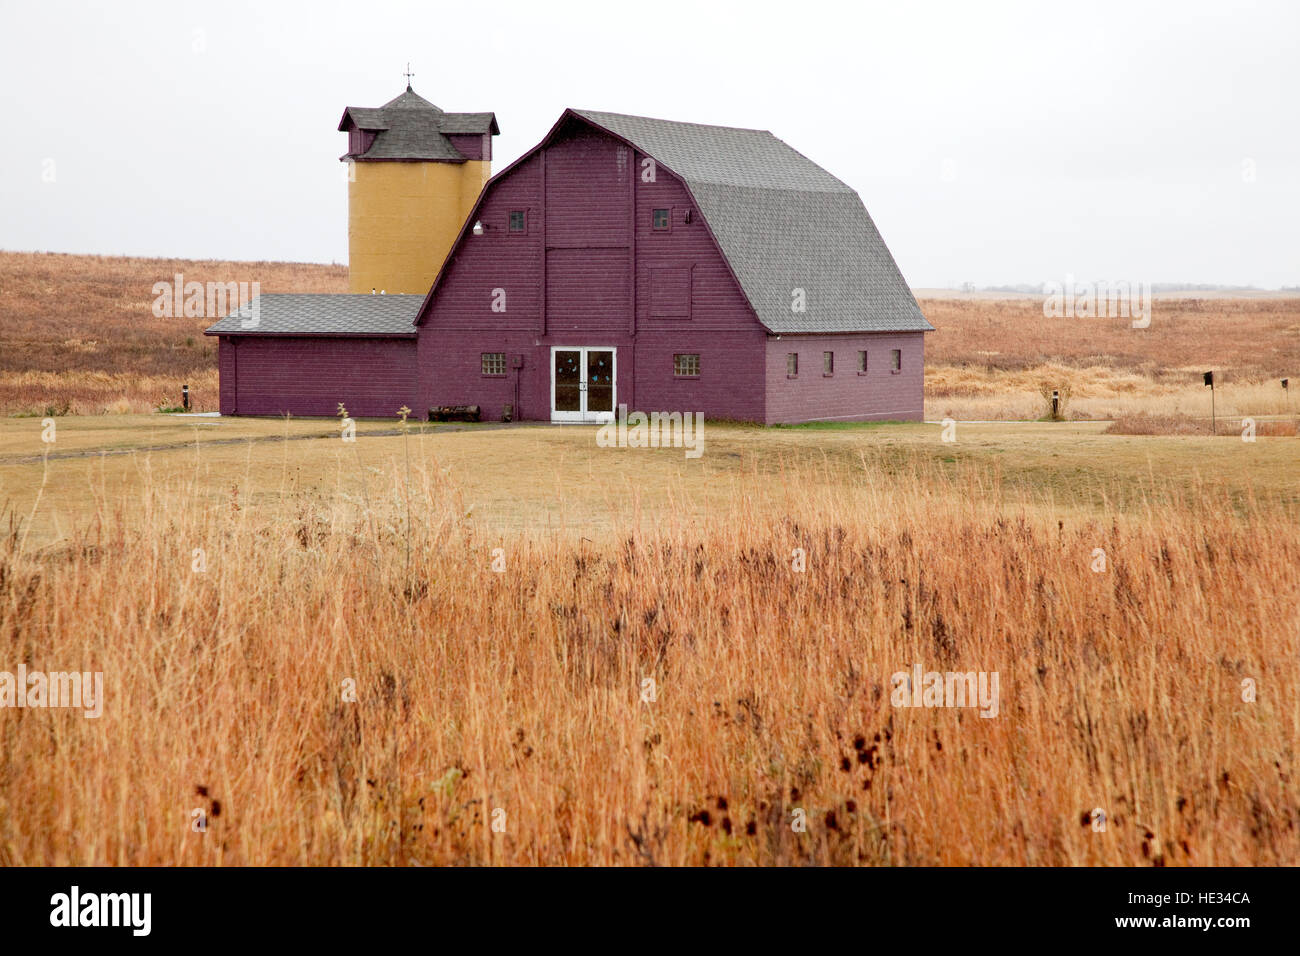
(540, 476)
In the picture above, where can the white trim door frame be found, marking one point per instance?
(584, 380)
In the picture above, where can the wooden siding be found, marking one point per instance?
(730, 383)
(845, 395)
(586, 290)
(588, 176)
(299, 375)
(716, 299)
(472, 145)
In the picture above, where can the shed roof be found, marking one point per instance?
(410, 127)
(324, 314)
(783, 223)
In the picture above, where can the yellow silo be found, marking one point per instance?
(414, 174)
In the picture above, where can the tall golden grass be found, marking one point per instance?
(989, 359)
(987, 394)
(1254, 339)
(524, 690)
(1183, 425)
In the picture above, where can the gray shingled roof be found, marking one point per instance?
(784, 223)
(410, 100)
(324, 314)
(410, 127)
(468, 123)
(369, 118)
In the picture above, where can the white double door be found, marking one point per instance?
(582, 383)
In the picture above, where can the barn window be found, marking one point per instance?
(828, 363)
(517, 221)
(661, 219)
(686, 366)
(896, 360)
(792, 364)
(494, 363)
(862, 361)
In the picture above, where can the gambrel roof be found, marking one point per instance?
(783, 223)
(410, 127)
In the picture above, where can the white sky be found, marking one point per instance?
(992, 142)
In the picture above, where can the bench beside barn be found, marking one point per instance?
(660, 265)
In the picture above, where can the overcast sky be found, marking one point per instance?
(992, 142)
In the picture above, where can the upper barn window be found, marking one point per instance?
(660, 219)
(517, 221)
(896, 360)
(828, 363)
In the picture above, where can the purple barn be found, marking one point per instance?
(622, 261)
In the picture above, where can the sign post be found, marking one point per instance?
(1209, 380)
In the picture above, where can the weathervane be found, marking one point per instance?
(408, 74)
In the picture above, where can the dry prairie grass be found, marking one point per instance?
(521, 691)
(988, 359)
(1096, 394)
(1182, 425)
(1255, 339)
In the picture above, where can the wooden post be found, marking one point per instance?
(1209, 380)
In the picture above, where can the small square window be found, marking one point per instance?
(792, 364)
(494, 363)
(862, 360)
(896, 359)
(828, 363)
(517, 221)
(686, 366)
(661, 219)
